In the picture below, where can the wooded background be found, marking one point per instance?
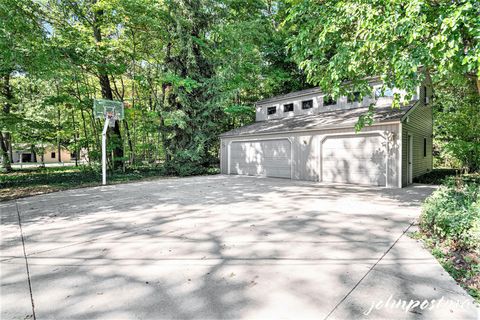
(189, 70)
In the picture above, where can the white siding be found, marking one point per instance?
(318, 107)
(306, 149)
(270, 158)
(420, 126)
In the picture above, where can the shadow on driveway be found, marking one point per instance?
(219, 247)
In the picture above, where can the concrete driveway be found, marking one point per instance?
(222, 247)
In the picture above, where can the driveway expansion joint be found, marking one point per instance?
(369, 271)
(26, 260)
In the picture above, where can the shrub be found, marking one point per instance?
(452, 214)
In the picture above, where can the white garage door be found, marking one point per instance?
(270, 158)
(354, 159)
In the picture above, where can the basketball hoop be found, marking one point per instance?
(110, 111)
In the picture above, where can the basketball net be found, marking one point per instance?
(110, 115)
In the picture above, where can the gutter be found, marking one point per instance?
(307, 130)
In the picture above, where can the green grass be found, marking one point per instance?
(32, 181)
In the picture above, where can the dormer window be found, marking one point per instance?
(271, 110)
(288, 107)
(329, 101)
(354, 97)
(307, 104)
(387, 93)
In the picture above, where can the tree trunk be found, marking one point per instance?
(59, 148)
(107, 93)
(75, 137)
(8, 137)
(5, 158)
(85, 133)
(34, 154)
(130, 145)
(6, 91)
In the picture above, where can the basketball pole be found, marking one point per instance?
(104, 151)
(110, 111)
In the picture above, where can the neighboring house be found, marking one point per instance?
(306, 136)
(50, 155)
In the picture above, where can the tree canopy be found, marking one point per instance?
(401, 41)
(189, 70)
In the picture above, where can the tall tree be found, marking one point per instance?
(21, 50)
(87, 33)
(187, 70)
(457, 117)
(340, 40)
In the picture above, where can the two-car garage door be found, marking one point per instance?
(354, 159)
(270, 158)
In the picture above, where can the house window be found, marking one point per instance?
(52, 155)
(307, 104)
(271, 110)
(288, 107)
(329, 101)
(354, 97)
(424, 147)
(425, 96)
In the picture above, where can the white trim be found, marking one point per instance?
(387, 144)
(261, 139)
(400, 168)
(410, 158)
(229, 153)
(372, 81)
(372, 133)
(313, 93)
(307, 130)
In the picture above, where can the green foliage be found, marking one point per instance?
(189, 70)
(338, 40)
(452, 214)
(450, 228)
(365, 119)
(457, 116)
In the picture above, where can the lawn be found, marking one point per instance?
(31, 181)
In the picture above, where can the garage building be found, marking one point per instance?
(307, 136)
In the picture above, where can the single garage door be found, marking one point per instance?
(270, 158)
(354, 159)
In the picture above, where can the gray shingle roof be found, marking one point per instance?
(324, 120)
